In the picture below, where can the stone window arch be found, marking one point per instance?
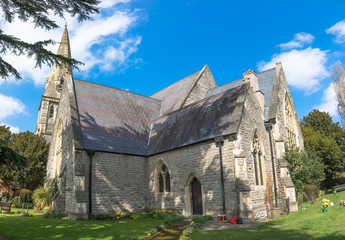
(58, 149)
(51, 111)
(259, 167)
(163, 178)
(290, 122)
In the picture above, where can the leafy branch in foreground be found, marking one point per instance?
(40, 13)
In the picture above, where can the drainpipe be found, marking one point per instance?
(90, 153)
(219, 143)
(268, 126)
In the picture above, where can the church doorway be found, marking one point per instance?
(196, 197)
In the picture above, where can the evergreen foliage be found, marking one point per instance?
(305, 167)
(40, 13)
(327, 140)
(23, 159)
(11, 163)
(35, 149)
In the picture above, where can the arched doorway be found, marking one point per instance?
(195, 187)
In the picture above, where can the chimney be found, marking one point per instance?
(251, 77)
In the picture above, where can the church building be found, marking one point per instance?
(193, 147)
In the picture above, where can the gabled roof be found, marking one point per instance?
(173, 95)
(265, 80)
(203, 120)
(114, 120)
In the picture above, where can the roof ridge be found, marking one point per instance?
(117, 89)
(194, 103)
(175, 82)
(266, 70)
(227, 83)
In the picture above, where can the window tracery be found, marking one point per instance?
(51, 112)
(163, 179)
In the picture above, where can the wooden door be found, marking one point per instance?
(196, 197)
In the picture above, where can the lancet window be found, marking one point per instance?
(258, 161)
(290, 122)
(51, 112)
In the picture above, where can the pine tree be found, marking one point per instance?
(39, 12)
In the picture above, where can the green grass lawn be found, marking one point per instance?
(15, 227)
(310, 223)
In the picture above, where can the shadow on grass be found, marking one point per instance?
(270, 230)
(37, 227)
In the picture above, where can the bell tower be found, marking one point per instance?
(52, 90)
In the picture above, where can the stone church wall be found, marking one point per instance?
(202, 161)
(279, 131)
(252, 120)
(118, 182)
(65, 200)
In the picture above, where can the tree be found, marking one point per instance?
(40, 13)
(11, 163)
(305, 167)
(326, 139)
(338, 76)
(35, 149)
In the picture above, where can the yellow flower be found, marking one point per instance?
(149, 234)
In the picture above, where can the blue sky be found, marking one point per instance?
(145, 45)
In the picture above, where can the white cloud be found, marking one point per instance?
(90, 41)
(10, 106)
(110, 3)
(329, 101)
(12, 129)
(338, 30)
(299, 41)
(304, 69)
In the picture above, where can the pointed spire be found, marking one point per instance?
(65, 48)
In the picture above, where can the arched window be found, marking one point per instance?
(51, 112)
(290, 122)
(163, 179)
(258, 161)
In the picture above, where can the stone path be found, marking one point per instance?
(174, 232)
(216, 225)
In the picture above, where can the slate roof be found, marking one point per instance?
(203, 120)
(114, 120)
(224, 87)
(265, 80)
(172, 95)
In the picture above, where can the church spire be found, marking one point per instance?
(52, 90)
(64, 48)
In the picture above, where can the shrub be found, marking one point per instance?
(308, 194)
(91, 216)
(173, 218)
(41, 198)
(58, 215)
(46, 214)
(144, 214)
(136, 216)
(199, 220)
(16, 202)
